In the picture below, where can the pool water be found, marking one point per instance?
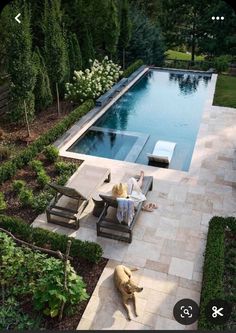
(165, 105)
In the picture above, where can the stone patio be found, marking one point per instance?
(168, 244)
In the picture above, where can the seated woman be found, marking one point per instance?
(132, 190)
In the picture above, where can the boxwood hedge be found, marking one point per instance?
(9, 168)
(87, 250)
(135, 65)
(214, 266)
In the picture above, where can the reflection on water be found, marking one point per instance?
(188, 83)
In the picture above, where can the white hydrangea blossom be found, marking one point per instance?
(94, 81)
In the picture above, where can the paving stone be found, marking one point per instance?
(182, 268)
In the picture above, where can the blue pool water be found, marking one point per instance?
(164, 105)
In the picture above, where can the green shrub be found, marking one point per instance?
(36, 165)
(8, 169)
(213, 272)
(3, 204)
(51, 153)
(42, 178)
(62, 167)
(88, 250)
(41, 201)
(5, 153)
(50, 292)
(18, 185)
(221, 63)
(26, 197)
(62, 179)
(132, 68)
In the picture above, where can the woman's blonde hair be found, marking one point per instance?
(120, 190)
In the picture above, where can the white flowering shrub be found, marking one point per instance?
(94, 81)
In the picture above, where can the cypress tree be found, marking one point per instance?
(42, 91)
(21, 67)
(55, 48)
(112, 28)
(87, 47)
(125, 29)
(75, 57)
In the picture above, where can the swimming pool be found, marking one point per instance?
(162, 105)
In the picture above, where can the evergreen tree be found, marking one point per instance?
(21, 67)
(42, 91)
(55, 48)
(87, 47)
(146, 42)
(125, 29)
(111, 28)
(75, 58)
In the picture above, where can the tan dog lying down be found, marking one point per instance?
(127, 287)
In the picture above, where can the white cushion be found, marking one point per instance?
(162, 152)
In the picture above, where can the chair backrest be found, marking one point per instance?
(67, 191)
(110, 200)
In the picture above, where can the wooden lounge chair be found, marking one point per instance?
(162, 152)
(108, 225)
(69, 202)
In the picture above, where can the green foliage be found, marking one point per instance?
(3, 204)
(18, 185)
(51, 153)
(5, 153)
(221, 63)
(25, 272)
(132, 68)
(146, 41)
(26, 197)
(55, 48)
(84, 249)
(42, 178)
(65, 167)
(75, 57)
(214, 265)
(36, 165)
(42, 90)
(125, 29)
(111, 34)
(9, 168)
(13, 318)
(21, 68)
(87, 47)
(50, 294)
(41, 201)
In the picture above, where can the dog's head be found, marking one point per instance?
(131, 288)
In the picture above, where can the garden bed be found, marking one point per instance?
(27, 174)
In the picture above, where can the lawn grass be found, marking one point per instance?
(171, 54)
(225, 93)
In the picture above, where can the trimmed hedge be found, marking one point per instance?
(213, 272)
(87, 250)
(132, 68)
(9, 168)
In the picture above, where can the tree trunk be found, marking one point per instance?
(193, 49)
(123, 59)
(26, 120)
(58, 101)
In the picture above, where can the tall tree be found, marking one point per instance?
(74, 52)
(111, 28)
(55, 48)
(21, 67)
(125, 29)
(42, 91)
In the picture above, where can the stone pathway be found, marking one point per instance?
(168, 244)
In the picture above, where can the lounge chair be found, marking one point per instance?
(71, 200)
(108, 225)
(162, 152)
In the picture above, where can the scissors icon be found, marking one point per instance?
(217, 312)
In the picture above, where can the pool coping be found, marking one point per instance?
(80, 127)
